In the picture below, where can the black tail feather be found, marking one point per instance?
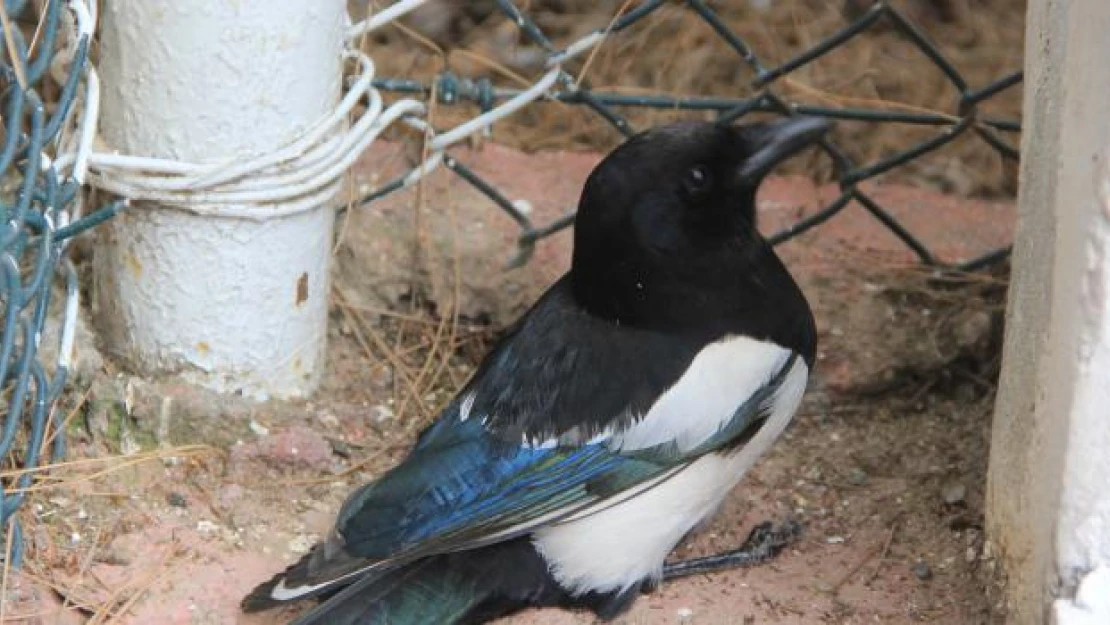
(422, 592)
(326, 573)
(457, 588)
(261, 598)
(472, 586)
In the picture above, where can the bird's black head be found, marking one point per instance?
(665, 234)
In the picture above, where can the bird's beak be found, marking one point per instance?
(773, 142)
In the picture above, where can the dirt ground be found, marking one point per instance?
(884, 465)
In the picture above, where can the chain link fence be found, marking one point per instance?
(558, 84)
(44, 53)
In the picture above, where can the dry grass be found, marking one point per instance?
(9, 39)
(70, 473)
(950, 331)
(674, 52)
(429, 350)
(54, 564)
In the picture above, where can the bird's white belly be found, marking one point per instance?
(620, 542)
(626, 543)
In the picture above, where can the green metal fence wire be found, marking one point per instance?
(36, 204)
(999, 134)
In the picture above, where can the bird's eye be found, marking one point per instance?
(696, 181)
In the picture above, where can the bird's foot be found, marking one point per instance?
(763, 543)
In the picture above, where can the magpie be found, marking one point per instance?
(608, 422)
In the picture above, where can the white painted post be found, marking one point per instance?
(1048, 503)
(233, 298)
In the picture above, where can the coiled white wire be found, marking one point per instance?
(299, 176)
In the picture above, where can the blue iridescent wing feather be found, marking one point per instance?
(461, 485)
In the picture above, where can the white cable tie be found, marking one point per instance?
(587, 42)
(431, 164)
(69, 330)
(86, 133)
(84, 17)
(383, 17)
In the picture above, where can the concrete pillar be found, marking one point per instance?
(1048, 516)
(231, 295)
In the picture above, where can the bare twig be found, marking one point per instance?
(884, 553)
(17, 63)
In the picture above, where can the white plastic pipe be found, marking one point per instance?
(231, 297)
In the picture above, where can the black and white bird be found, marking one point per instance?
(612, 418)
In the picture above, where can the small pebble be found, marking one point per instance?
(381, 413)
(177, 500)
(301, 543)
(113, 556)
(974, 329)
(857, 477)
(954, 493)
(381, 377)
(340, 448)
(922, 571)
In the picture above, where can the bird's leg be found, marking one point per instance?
(764, 543)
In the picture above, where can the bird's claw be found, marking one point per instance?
(763, 543)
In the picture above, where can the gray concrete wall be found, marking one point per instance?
(1048, 510)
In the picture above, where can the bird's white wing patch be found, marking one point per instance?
(722, 376)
